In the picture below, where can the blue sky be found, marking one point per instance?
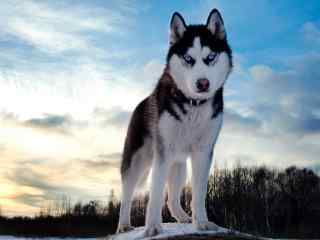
(72, 72)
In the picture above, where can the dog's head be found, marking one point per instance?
(199, 58)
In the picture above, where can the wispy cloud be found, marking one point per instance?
(55, 28)
(281, 122)
(39, 182)
(50, 122)
(113, 117)
(311, 32)
(101, 165)
(115, 155)
(60, 124)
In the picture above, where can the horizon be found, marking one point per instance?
(71, 74)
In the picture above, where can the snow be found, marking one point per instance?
(169, 230)
(47, 238)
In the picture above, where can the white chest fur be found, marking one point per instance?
(195, 128)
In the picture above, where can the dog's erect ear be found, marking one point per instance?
(215, 24)
(177, 27)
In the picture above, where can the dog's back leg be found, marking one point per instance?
(129, 183)
(136, 174)
(176, 182)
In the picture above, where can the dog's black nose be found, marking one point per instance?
(203, 84)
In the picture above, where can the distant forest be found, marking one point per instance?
(261, 201)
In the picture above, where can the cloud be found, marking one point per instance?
(275, 118)
(50, 122)
(102, 162)
(311, 32)
(115, 117)
(118, 118)
(25, 176)
(115, 155)
(30, 199)
(32, 90)
(261, 73)
(55, 28)
(289, 99)
(40, 181)
(56, 89)
(235, 122)
(100, 165)
(2, 147)
(55, 123)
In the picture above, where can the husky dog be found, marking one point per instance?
(181, 118)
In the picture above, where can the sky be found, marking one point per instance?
(71, 73)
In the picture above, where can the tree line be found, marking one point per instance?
(261, 201)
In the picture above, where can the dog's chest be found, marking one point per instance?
(194, 125)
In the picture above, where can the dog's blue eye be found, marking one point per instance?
(210, 58)
(188, 59)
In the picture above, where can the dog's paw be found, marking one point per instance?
(206, 226)
(181, 217)
(185, 219)
(124, 228)
(153, 230)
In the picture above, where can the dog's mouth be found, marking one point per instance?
(203, 91)
(201, 95)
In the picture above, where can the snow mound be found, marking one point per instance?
(178, 230)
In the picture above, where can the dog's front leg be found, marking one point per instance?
(201, 163)
(159, 174)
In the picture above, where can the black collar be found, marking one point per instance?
(179, 97)
(196, 102)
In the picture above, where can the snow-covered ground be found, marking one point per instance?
(169, 230)
(174, 230)
(48, 238)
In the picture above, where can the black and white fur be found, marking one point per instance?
(178, 121)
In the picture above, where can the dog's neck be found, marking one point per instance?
(178, 95)
(167, 94)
